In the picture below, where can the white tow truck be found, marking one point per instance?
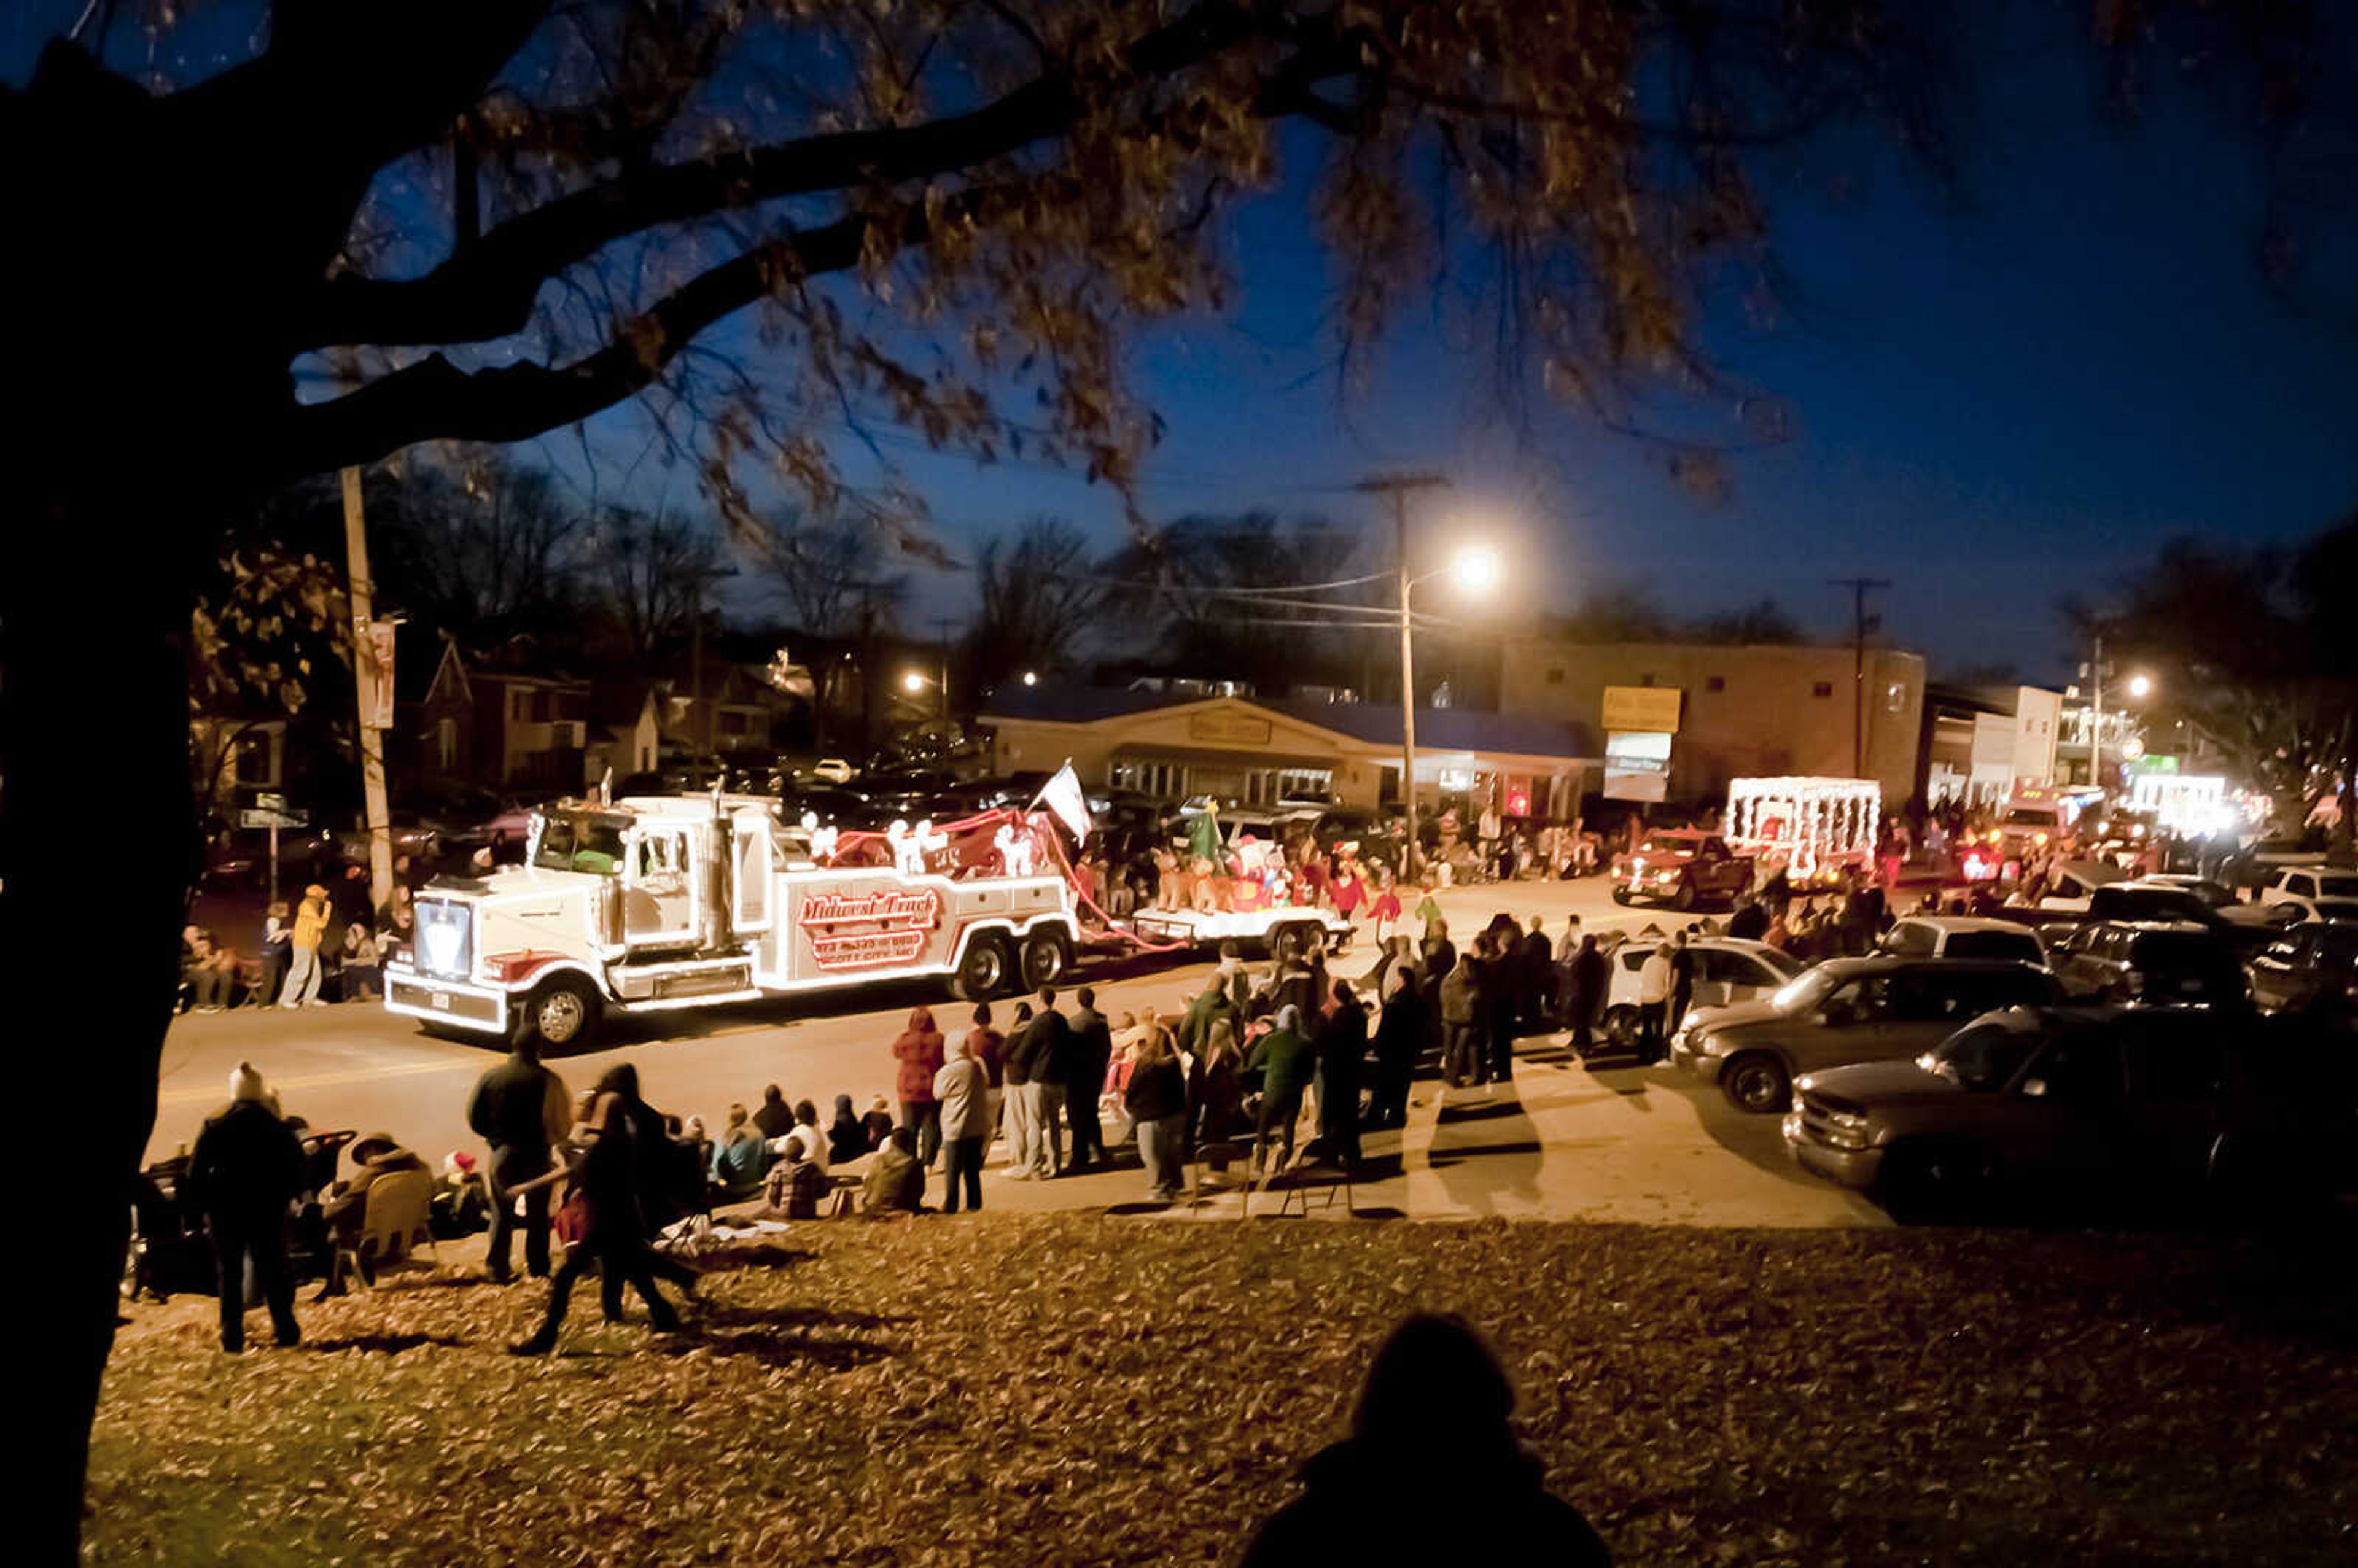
(673, 901)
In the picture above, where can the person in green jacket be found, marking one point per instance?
(1283, 1058)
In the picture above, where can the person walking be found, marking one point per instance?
(1567, 949)
(520, 1109)
(245, 1170)
(1092, 1054)
(1211, 1004)
(962, 1092)
(918, 1050)
(1022, 1101)
(303, 971)
(1653, 1001)
(623, 1146)
(1341, 1049)
(1283, 1058)
(1156, 1099)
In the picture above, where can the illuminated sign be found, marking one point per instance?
(1637, 767)
(865, 930)
(1642, 709)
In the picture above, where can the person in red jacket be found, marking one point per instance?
(919, 1052)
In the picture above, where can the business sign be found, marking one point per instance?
(250, 817)
(870, 927)
(1642, 710)
(1638, 765)
(1229, 729)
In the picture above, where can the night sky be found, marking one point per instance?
(1999, 395)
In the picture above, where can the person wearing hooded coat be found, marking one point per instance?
(1284, 1060)
(919, 1051)
(963, 1091)
(1400, 1040)
(1432, 1423)
(1341, 1048)
(846, 1137)
(246, 1168)
(611, 1179)
(1463, 1022)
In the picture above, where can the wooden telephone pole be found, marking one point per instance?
(1400, 487)
(371, 683)
(1860, 623)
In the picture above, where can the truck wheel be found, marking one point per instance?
(984, 971)
(1622, 895)
(1755, 1082)
(1684, 901)
(1047, 959)
(1621, 1027)
(559, 1012)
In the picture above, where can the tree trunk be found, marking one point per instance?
(96, 839)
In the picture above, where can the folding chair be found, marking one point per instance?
(1234, 1152)
(398, 1217)
(1296, 1181)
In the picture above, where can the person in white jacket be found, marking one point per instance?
(962, 1089)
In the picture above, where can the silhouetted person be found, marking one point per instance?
(1092, 1054)
(245, 1170)
(521, 1109)
(1430, 1427)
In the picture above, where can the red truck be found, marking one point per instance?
(1683, 867)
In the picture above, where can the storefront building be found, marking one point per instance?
(1261, 751)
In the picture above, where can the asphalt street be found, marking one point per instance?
(1646, 1145)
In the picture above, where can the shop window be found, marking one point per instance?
(1823, 688)
(1555, 677)
(1714, 683)
(1646, 679)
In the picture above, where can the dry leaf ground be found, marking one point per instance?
(1049, 1390)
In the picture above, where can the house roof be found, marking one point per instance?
(1375, 724)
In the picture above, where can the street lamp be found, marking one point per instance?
(1031, 677)
(2140, 686)
(913, 682)
(1477, 570)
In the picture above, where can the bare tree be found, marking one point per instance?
(1035, 599)
(825, 569)
(654, 576)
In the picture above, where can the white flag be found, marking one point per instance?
(1062, 794)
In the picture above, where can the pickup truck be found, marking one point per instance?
(2132, 1103)
(1683, 868)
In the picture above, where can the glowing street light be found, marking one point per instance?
(1477, 570)
(2140, 686)
(913, 682)
(1031, 677)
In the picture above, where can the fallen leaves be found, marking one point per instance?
(1062, 1390)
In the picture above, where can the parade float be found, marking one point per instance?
(1820, 832)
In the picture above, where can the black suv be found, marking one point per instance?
(2164, 963)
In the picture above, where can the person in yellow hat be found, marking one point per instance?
(311, 917)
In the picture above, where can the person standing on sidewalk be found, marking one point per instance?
(1021, 1085)
(919, 1052)
(1053, 1076)
(1156, 1099)
(988, 1049)
(1092, 1054)
(1653, 1001)
(311, 917)
(246, 1169)
(1461, 1023)
(962, 1091)
(520, 1108)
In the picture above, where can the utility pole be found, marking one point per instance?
(368, 682)
(942, 625)
(1860, 624)
(1400, 487)
(2096, 716)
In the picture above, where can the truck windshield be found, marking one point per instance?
(579, 843)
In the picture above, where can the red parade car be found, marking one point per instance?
(1683, 868)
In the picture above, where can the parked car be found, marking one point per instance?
(2293, 910)
(2304, 964)
(1727, 970)
(2245, 925)
(1683, 868)
(1844, 1011)
(833, 771)
(2217, 894)
(2307, 883)
(2160, 962)
(1963, 937)
(2045, 1100)
(2072, 885)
